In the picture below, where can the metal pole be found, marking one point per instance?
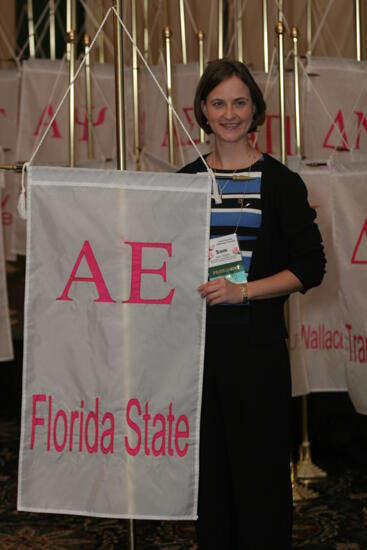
(239, 31)
(265, 35)
(131, 534)
(358, 29)
(68, 26)
(146, 30)
(52, 30)
(88, 96)
(120, 137)
(363, 30)
(101, 35)
(135, 68)
(72, 40)
(119, 90)
(309, 27)
(306, 469)
(220, 29)
(32, 43)
(13, 167)
(183, 32)
(297, 109)
(167, 39)
(280, 11)
(201, 70)
(283, 150)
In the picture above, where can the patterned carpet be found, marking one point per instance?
(337, 520)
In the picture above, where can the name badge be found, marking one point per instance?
(225, 259)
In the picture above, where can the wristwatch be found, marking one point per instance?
(244, 290)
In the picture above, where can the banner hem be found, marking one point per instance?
(32, 509)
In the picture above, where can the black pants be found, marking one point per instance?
(245, 496)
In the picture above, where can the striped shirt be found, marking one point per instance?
(239, 212)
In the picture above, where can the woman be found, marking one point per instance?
(245, 497)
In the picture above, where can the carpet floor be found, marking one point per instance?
(336, 520)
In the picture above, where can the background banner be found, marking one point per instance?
(328, 328)
(114, 331)
(9, 94)
(9, 102)
(9, 197)
(350, 223)
(335, 108)
(316, 328)
(6, 344)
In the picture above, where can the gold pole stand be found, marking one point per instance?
(306, 469)
(300, 492)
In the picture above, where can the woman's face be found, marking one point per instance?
(229, 110)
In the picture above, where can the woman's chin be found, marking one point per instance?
(231, 137)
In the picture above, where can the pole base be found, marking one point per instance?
(306, 469)
(301, 492)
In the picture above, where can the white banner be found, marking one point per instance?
(9, 198)
(328, 330)
(335, 119)
(350, 210)
(316, 334)
(44, 84)
(9, 91)
(9, 101)
(6, 344)
(114, 335)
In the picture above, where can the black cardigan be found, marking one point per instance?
(288, 239)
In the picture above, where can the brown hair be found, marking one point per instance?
(216, 72)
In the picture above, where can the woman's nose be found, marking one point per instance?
(229, 111)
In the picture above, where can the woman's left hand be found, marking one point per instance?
(221, 291)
